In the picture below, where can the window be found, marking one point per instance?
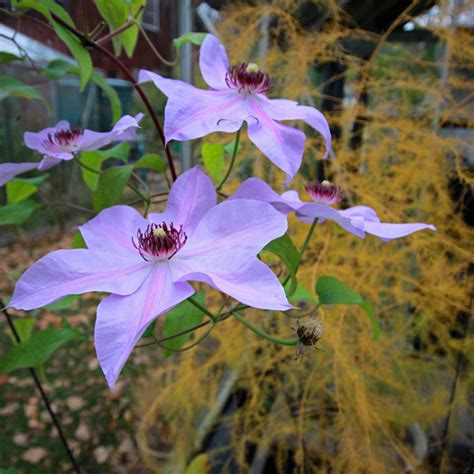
(151, 15)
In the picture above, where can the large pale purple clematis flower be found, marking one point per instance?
(61, 142)
(146, 263)
(237, 94)
(358, 220)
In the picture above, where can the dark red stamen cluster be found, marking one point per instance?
(62, 139)
(159, 240)
(324, 192)
(246, 78)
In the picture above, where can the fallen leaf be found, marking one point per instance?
(101, 454)
(83, 433)
(20, 439)
(34, 455)
(9, 409)
(75, 403)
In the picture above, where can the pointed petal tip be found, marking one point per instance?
(144, 76)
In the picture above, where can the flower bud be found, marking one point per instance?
(310, 332)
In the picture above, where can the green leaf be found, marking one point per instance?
(18, 190)
(8, 470)
(333, 291)
(119, 152)
(152, 161)
(81, 55)
(130, 35)
(24, 327)
(183, 316)
(45, 7)
(57, 68)
(111, 185)
(63, 303)
(285, 249)
(94, 160)
(198, 465)
(190, 37)
(17, 213)
(213, 158)
(302, 294)
(78, 241)
(150, 330)
(101, 82)
(37, 349)
(229, 148)
(10, 87)
(115, 13)
(9, 57)
(374, 323)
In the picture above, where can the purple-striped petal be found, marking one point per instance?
(169, 87)
(311, 211)
(283, 109)
(193, 113)
(48, 161)
(10, 170)
(191, 196)
(283, 145)
(394, 231)
(112, 231)
(199, 113)
(70, 272)
(366, 212)
(358, 220)
(385, 231)
(259, 190)
(237, 273)
(121, 320)
(240, 224)
(213, 62)
(124, 129)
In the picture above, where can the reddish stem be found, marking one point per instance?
(129, 76)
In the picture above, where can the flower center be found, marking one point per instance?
(160, 241)
(247, 78)
(324, 192)
(63, 140)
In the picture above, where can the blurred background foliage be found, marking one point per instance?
(403, 145)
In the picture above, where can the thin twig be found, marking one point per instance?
(152, 47)
(97, 30)
(223, 317)
(45, 398)
(130, 78)
(121, 29)
(21, 50)
(72, 206)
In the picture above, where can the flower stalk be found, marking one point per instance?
(45, 398)
(146, 199)
(130, 78)
(232, 161)
(262, 333)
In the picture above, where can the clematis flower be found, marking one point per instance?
(146, 263)
(358, 220)
(237, 94)
(61, 142)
